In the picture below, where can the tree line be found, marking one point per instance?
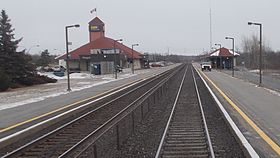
(16, 68)
(156, 57)
(251, 54)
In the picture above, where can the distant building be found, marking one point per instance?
(99, 53)
(222, 58)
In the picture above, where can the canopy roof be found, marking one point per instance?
(223, 52)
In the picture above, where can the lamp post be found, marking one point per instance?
(132, 66)
(37, 45)
(115, 57)
(260, 62)
(217, 44)
(220, 46)
(67, 54)
(231, 38)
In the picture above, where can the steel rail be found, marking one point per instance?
(115, 118)
(204, 120)
(86, 114)
(170, 117)
(209, 144)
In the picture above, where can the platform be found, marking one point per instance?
(255, 110)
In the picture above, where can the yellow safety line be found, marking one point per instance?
(62, 108)
(265, 137)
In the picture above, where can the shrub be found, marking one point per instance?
(28, 81)
(36, 79)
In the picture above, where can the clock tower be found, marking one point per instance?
(96, 29)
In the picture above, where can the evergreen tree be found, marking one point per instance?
(7, 41)
(15, 67)
(14, 64)
(45, 58)
(4, 81)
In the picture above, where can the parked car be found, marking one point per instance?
(206, 66)
(59, 68)
(59, 73)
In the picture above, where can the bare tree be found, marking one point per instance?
(251, 49)
(251, 54)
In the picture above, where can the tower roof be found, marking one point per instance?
(96, 21)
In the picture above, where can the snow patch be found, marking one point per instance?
(56, 90)
(28, 101)
(72, 75)
(129, 75)
(107, 78)
(82, 83)
(274, 92)
(80, 75)
(275, 74)
(50, 75)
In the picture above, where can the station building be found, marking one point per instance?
(100, 53)
(223, 58)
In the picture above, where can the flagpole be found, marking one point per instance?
(94, 10)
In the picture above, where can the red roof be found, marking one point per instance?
(224, 52)
(101, 43)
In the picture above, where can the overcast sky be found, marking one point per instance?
(182, 26)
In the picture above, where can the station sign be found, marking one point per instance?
(110, 51)
(85, 57)
(95, 28)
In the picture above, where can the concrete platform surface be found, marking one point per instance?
(270, 78)
(261, 105)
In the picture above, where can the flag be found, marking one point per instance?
(93, 10)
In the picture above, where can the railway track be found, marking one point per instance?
(186, 133)
(134, 121)
(56, 142)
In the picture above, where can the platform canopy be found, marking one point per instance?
(223, 52)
